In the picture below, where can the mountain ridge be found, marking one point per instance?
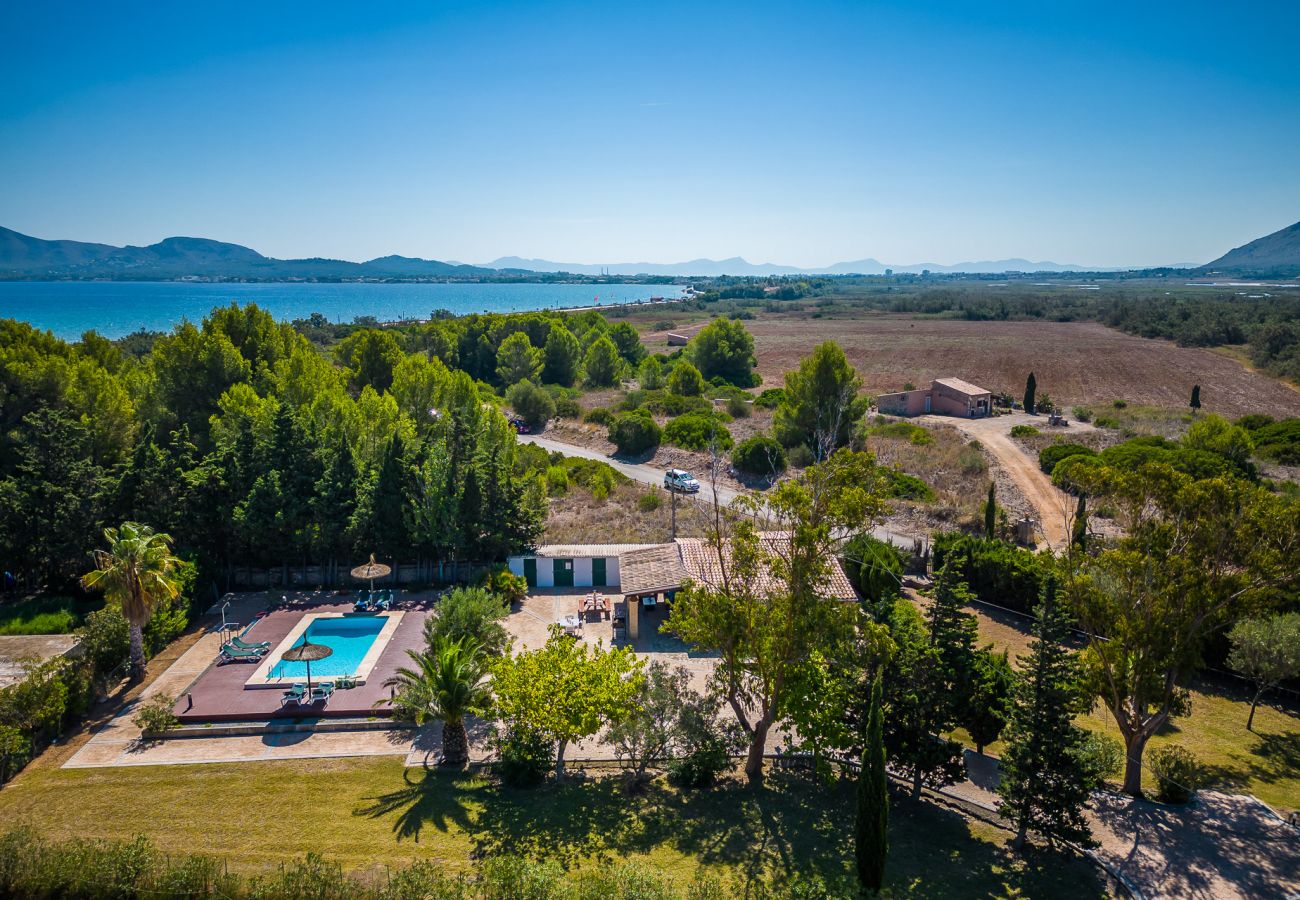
(1276, 255)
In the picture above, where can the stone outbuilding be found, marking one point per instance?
(944, 396)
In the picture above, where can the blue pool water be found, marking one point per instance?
(350, 637)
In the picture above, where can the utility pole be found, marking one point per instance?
(673, 494)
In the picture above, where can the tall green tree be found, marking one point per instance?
(1079, 527)
(724, 349)
(821, 406)
(518, 360)
(872, 825)
(991, 512)
(1031, 386)
(1045, 782)
(562, 356)
(952, 635)
(1193, 554)
(446, 683)
(766, 610)
(628, 342)
(137, 572)
(985, 715)
(1195, 403)
(1266, 649)
(650, 374)
(566, 690)
(685, 380)
(602, 363)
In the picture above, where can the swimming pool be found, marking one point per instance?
(357, 642)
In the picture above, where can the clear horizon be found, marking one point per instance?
(1106, 136)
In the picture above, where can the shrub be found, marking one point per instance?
(634, 432)
(1106, 422)
(770, 398)
(759, 455)
(598, 416)
(106, 639)
(505, 584)
(1024, 431)
(697, 431)
(1179, 774)
(474, 613)
(1082, 413)
(598, 477)
(557, 481)
(38, 615)
(155, 715)
(649, 501)
(1101, 756)
(739, 408)
(801, 456)
(970, 460)
(875, 568)
(907, 487)
(685, 380)
(1120, 404)
(995, 572)
(567, 408)
(916, 434)
(524, 757)
(1048, 457)
(701, 767)
(531, 403)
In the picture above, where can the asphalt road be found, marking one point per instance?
(647, 474)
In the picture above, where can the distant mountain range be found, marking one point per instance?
(25, 257)
(22, 256)
(1275, 255)
(738, 266)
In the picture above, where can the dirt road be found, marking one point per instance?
(647, 474)
(1054, 506)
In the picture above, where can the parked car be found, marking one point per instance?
(681, 480)
(520, 426)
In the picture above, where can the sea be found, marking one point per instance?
(117, 308)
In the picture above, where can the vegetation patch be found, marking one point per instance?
(696, 431)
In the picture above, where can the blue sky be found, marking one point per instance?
(800, 133)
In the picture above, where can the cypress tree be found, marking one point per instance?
(1031, 385)
(1044, 783)
(1079, 531)
(952, 635)
(873, 799)
(1196, 396)
(991, 512)
(986, 713)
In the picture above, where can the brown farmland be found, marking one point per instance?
(1075, 362)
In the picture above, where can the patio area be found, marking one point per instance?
(219, 693)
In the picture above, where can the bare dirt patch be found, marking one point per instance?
(1075, 362)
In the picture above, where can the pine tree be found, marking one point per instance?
(1031, 385)
(985, 715)
(920, 707)
(952, 635)
(991, 512)
(1196, 397)
(873, 799)
(1044, 783)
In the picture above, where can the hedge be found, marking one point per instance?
(995, 572)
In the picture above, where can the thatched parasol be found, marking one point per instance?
(370, 571)
(306, 652)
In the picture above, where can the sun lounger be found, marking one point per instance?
(295, 694)
(322, 691)
(245, 645)
(230, 653)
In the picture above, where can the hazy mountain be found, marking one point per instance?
(1275, 255)
(738, 266)
(22, 256)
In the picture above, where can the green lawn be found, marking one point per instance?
(1265, 762)
(369, 813)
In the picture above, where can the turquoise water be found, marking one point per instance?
(350, 637)
(115, 308)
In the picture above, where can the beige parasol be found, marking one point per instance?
(306, 652)
(370, 571)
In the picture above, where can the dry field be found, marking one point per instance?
(1075, 362)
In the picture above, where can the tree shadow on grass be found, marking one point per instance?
(429, 797)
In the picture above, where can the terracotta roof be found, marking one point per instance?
(701, 562)
(958, 385)
(649, 570)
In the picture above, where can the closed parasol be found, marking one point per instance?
(370, 571)
(306, 652)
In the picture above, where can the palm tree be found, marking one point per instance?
(135, 572)
(447, 683)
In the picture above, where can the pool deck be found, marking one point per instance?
(218, 693)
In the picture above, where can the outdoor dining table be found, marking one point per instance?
(572, 624)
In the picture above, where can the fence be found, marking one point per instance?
(335, 574)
